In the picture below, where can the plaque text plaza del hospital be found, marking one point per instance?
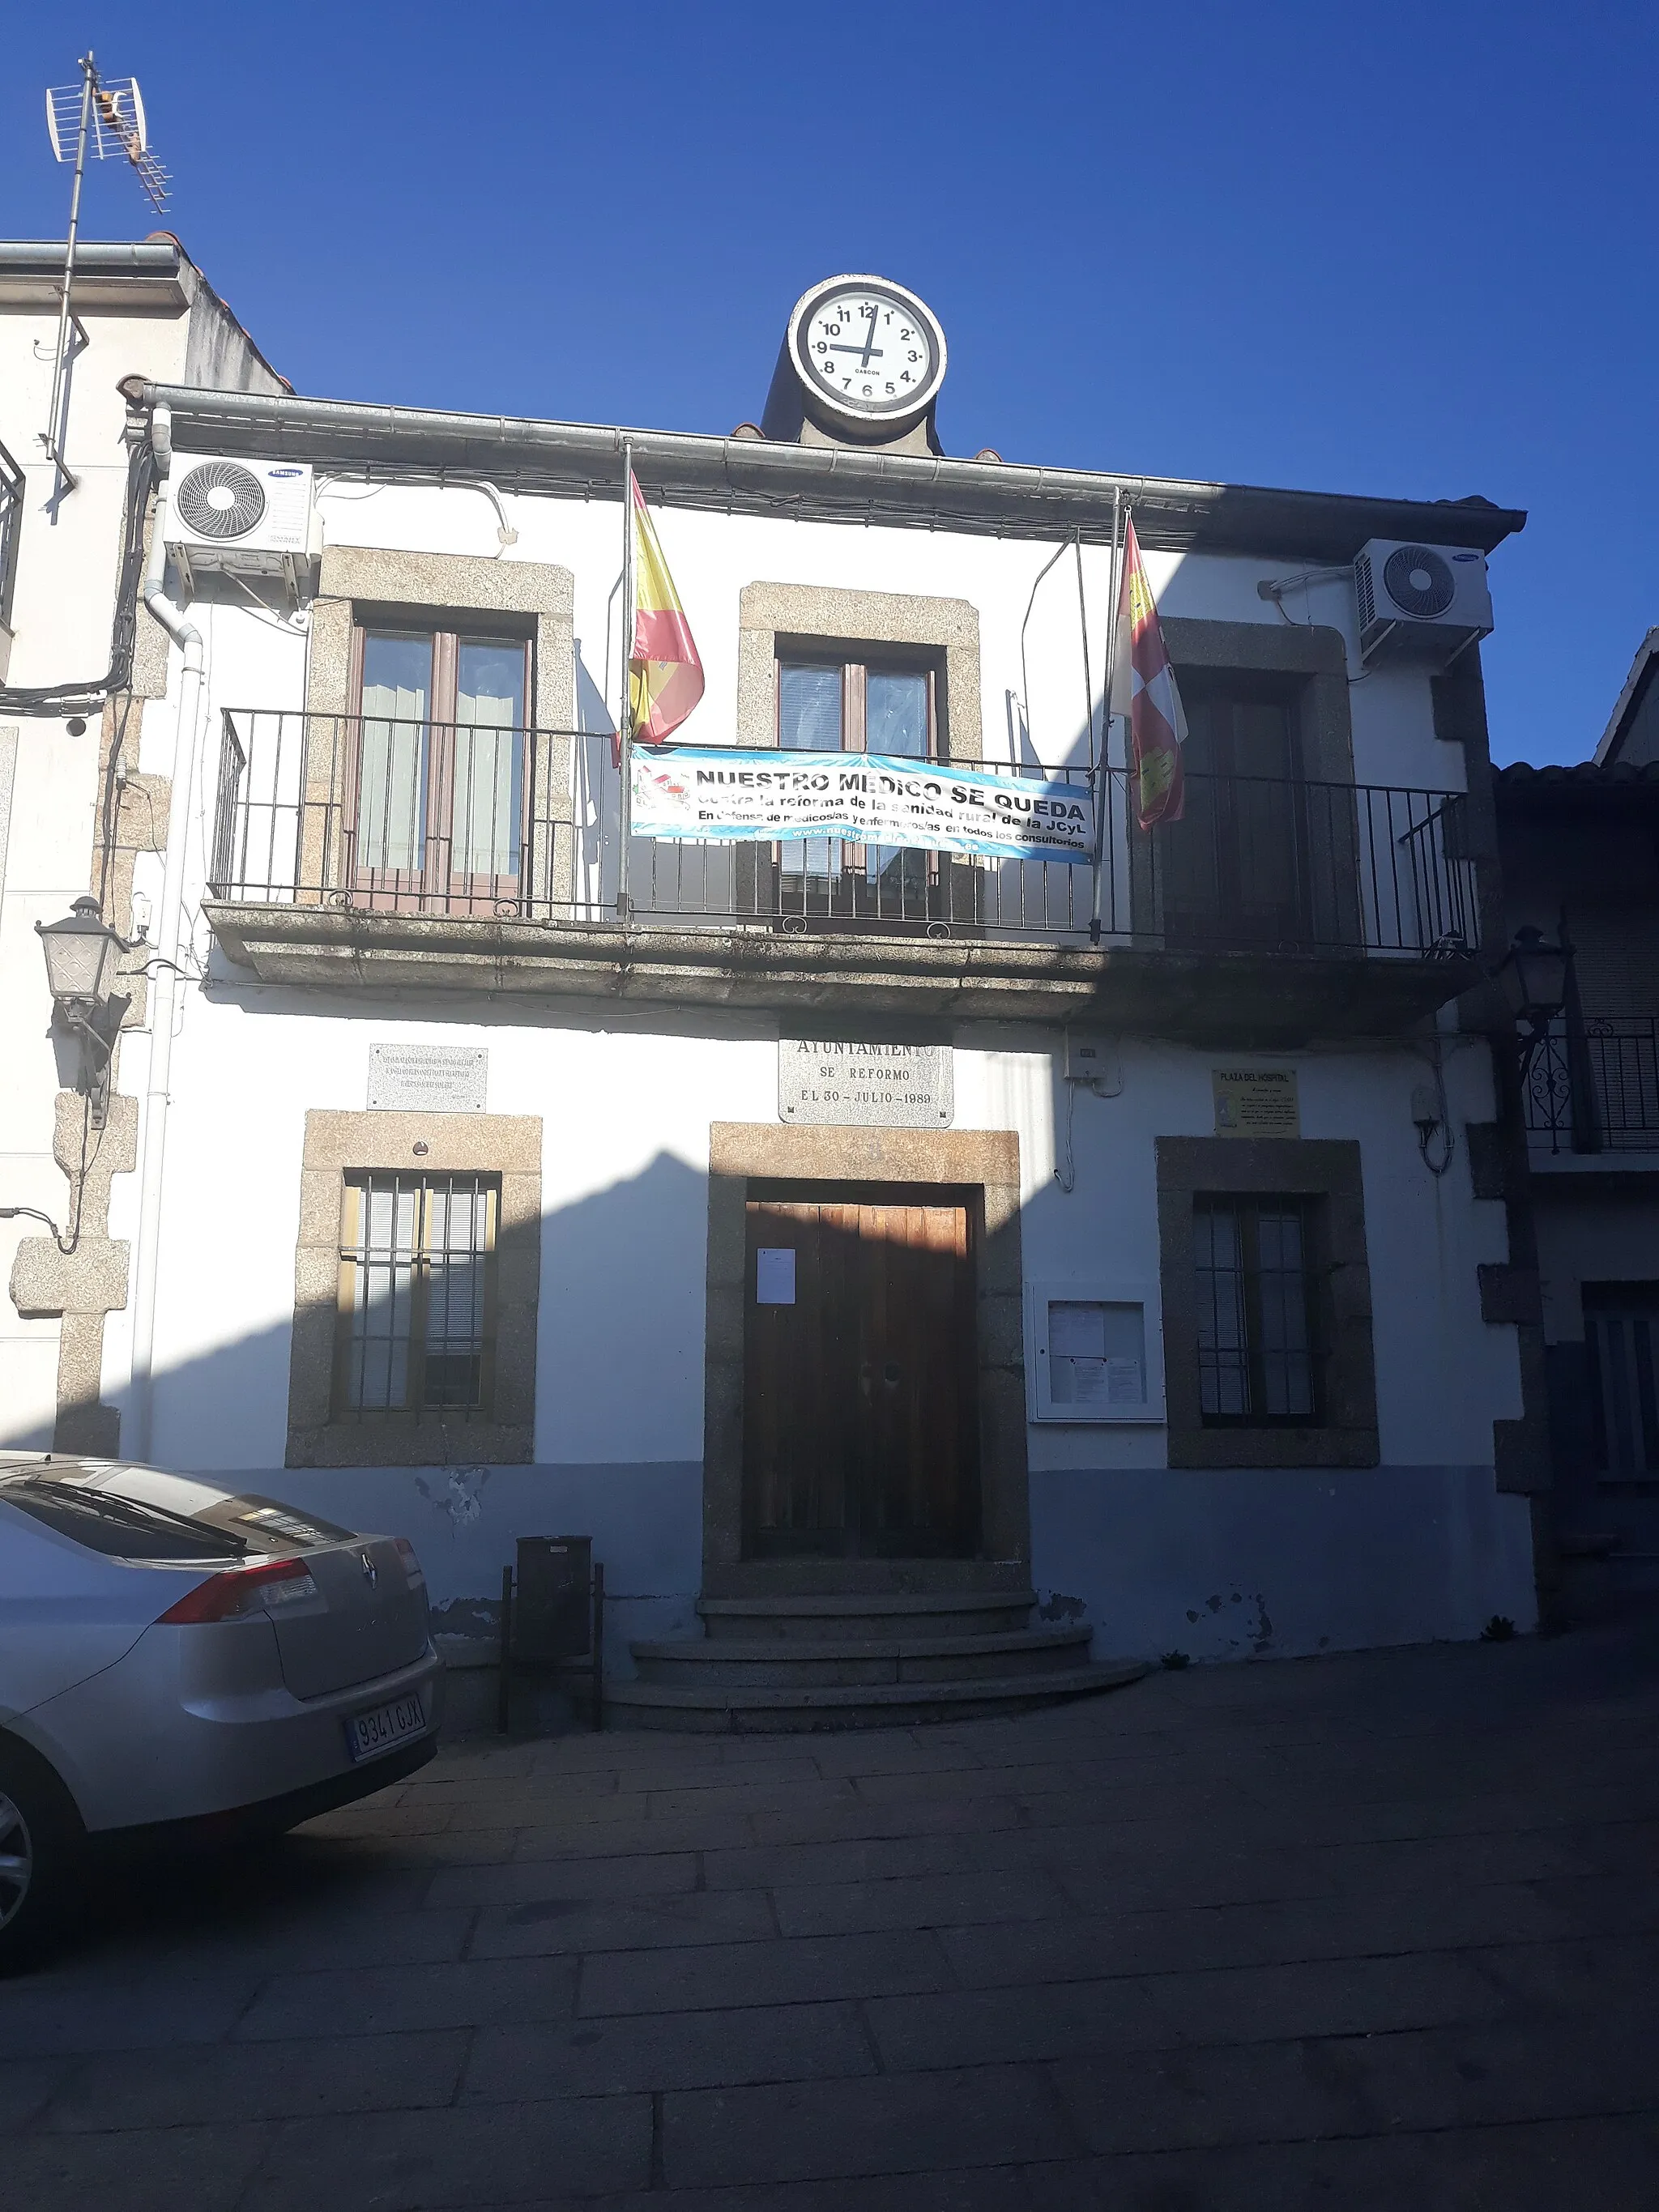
(863, 1109)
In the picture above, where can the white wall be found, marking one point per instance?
(62, 614)
(626, 1109)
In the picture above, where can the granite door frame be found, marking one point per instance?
(987, 1162)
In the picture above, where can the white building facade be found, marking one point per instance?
(500, 1198)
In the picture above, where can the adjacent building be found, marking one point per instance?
(81, 813)
(1580, 849)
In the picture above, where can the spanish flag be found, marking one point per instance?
(1144, 688)
(665, 674)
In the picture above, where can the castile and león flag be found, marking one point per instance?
(1143, 689)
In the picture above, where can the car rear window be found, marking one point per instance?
(269, 1527)
(119, 1527)
(145, 1512)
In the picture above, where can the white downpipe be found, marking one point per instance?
(164, 988)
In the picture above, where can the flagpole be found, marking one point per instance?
(1083, 619)
(1102, 780)
(625, 714)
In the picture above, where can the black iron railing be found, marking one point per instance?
(1594, 1087)
(465, 820)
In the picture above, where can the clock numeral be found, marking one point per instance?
(869, 389)
(821, 346)
(915, 356)
(890, 390)
(904, 376)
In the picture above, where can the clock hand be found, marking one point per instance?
(869, 343)
(868, 352)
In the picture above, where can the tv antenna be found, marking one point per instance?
(101, 119)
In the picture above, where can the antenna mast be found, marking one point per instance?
(100, 118)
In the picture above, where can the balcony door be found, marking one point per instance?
(435, 811)
(1233, 873)
(839, 704)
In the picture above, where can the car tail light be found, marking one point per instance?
(411, 1565)
(239, 1591)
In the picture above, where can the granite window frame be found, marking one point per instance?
(1302, 668)
(369, 588)
(1327, 1171)
(880, 628)
(506, 1147)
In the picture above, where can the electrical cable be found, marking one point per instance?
(1068, 1181)
(1436, 1058)
(109, 804)
(68, 1241)
(34, 1213)
(1024, 679)
(87, 696)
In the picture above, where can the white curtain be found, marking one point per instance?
(391, 762)
(489, 761)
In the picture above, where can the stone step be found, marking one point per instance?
(779, 1661)
(885, 1613)
(730, 1709)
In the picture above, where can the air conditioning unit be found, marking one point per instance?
(255, 517)
(1421, 602)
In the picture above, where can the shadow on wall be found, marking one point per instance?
(1319, 1559)
(618, 1420)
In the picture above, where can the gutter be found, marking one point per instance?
(169, 943)
(832, 484)
(31, 257)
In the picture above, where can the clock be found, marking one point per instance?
(866, 350)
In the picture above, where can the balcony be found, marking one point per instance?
(372, 853)
(1593, 1092)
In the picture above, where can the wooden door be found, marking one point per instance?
(860, 1434)
(1234, 869)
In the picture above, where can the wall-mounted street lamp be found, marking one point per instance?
(83, 955)
(1535, 977)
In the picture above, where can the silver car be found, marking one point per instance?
(177, 1658)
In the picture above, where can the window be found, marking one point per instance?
(1257, 1347)
(829, 701)
(11, 529)
(416, 1300)
(438, 805)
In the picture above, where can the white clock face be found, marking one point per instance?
(868, 348)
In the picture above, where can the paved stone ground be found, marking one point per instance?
(1356, 1933)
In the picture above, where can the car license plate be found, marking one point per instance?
(369, 1733)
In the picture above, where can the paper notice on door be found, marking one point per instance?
(1087, 1381)
(775, 1275)
(1077, 1330)
(1124, 1384)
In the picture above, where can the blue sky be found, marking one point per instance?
(1403, 250)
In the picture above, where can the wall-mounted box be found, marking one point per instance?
(1093, 1351)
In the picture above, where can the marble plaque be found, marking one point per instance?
(874, 1086)
(433, 1078)
(1256, 1102)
